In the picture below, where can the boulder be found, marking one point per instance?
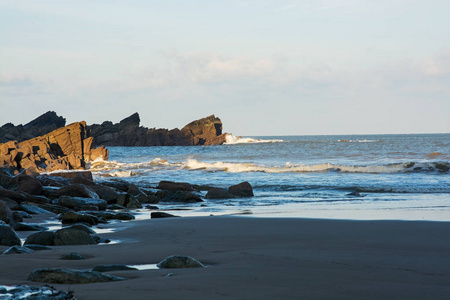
(8, 237)
(35, 209)
(82, 180)
(73, 174)
(107, 215)
(36, 247)
(38, 199)
(36, 293)
(217, 193)
(6, 214)
(29, 227)
(77, 190)
(27, 184)
(81, 227)
(145, 199)
(178, 262)
(73, 217)
(46, 238)
(159, 214)
(243, 189)
(106, 193)
(13, 195)
(72, 256)
(68, 276)
(110, 268)
(72, 202)
(128, 201)
(4, 180)
(71, 236)
(175, 186)
(178, 196)
(17, 250)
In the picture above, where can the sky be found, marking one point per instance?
(263, 67)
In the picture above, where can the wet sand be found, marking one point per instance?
(260, 258)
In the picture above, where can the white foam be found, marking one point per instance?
(231, 140)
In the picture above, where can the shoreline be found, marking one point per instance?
(260, 258)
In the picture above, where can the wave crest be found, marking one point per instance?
(231, 140)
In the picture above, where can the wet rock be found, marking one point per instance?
(159, 214)
(29, 227)
(72, 202)
(8, 237)
(4, 180)
(36, 247)
(51, 192)
(123, 216)
(73, 217)
(133, 190)
(6, 214)
(46, 238)
(442, 167)
(86, 208)
(38, 199)
(53, 208)
(110, 268)
(13, 195)
(72, 256)
(175, 186)
(81, 227)
(34, 209)
(115, 207)
(82, 181)
(70, 236)
(178, 196)
(243, 189)
(27, 184)
(18, 250)
(100, 240)
(36, 293)
(128, 201)
(217, 193)
(144, 198)
(77, 190)
(68, 276)
(106, 193)
(13, 205)
(23, 214)
(151, 207)
(178, 262)
(73, 174)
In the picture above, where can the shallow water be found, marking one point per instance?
(396, 176)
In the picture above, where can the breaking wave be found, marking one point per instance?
(231, 140)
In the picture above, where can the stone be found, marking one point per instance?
(73, 217)
(38, 199)
(73, 256)
(54, 208)
(128, 201)
(82, 180)
(34, 209)
(106, 193)
(36, 247)
(77, 190)
(72, 202)
(8, 237)
(243, 189)
(13, 205)
(178, 262)
(178, 196)
(107, 215)
(46, 238)
(159, 214)
(81, 227)
(217, 193)
(144, 198)
(13, 195)
(115, 207)
(27, 184)
(6, 214)
(36, 293)
(109, 268)
(73, 174)
(133, 190)
(29, 227)
(17, 250)
(70, 236)
(175, 186)
(68, 276)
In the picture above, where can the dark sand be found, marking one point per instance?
(261, 258)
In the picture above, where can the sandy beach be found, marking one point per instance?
(259, 258)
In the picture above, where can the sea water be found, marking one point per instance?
(353, 177)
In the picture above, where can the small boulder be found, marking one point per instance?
(46, 238)
(72, 256)
(27, 184)
(8, 237)
(175, 186)
(68, 276)
(178, 196)
(38, 247)
(29, 227)
(159, 214)
(13, 195)
(70, 236)
(243, 189)
(178, 262)
(6, 214)
(217, 193)
(73, 217)
(73, 202)
(17, 250)
(77, 190)
(106, 193)
(128, 201)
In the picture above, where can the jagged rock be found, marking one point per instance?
(109, 268)
(178, 261)
(37, 293)
(174, 186)
(73, 202)
(72, 256)
(64, 148)
(6, 214)
(71, 236)
(205, 131)
(17, 250)
(159, 214)
(29, 227)
(178, 196)
(8, 237)
(243, 189)
(77, 190)
(34, 209)
(68, 276)
(46, 238)
(128, 201)
(105, 193)
(73, 217)
(217, 193)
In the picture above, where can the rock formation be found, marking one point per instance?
(206, 131)
(39, 126)
(66, 148)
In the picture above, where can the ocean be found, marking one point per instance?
(364, 177)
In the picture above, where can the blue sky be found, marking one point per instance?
(263, 67)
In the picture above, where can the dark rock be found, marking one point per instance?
(29, 227)
(23, 214)
(128, 201)
(72, 256)
(77, 190)
(159, 214)
(70, 236)
(4, 180)
(13, 205)
(73, 202)
(18, 250)
(243, 189)
(27, 184)
(216, 193)
(115, 207)
(442, 167)
(6, 214)
(46, 238)
(16, 196)
(100, 240)
(68, 276)
(151, 207)
(51, 192)
(36, 247)
(8, 237)
(73, 174)
(114, 215)
(82, 180)
(57, 209)
(34, 209)
(133, 190)
(144, 198)
(178, 261)
(106, 193)
(73, 217)
(175, 186)
(37, 293)
(109, 268)
(81, 227)
(178, 196)
(36, 199)
(86, 208)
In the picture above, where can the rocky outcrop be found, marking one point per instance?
(206, 131)
(39, 126)
(67, 148)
